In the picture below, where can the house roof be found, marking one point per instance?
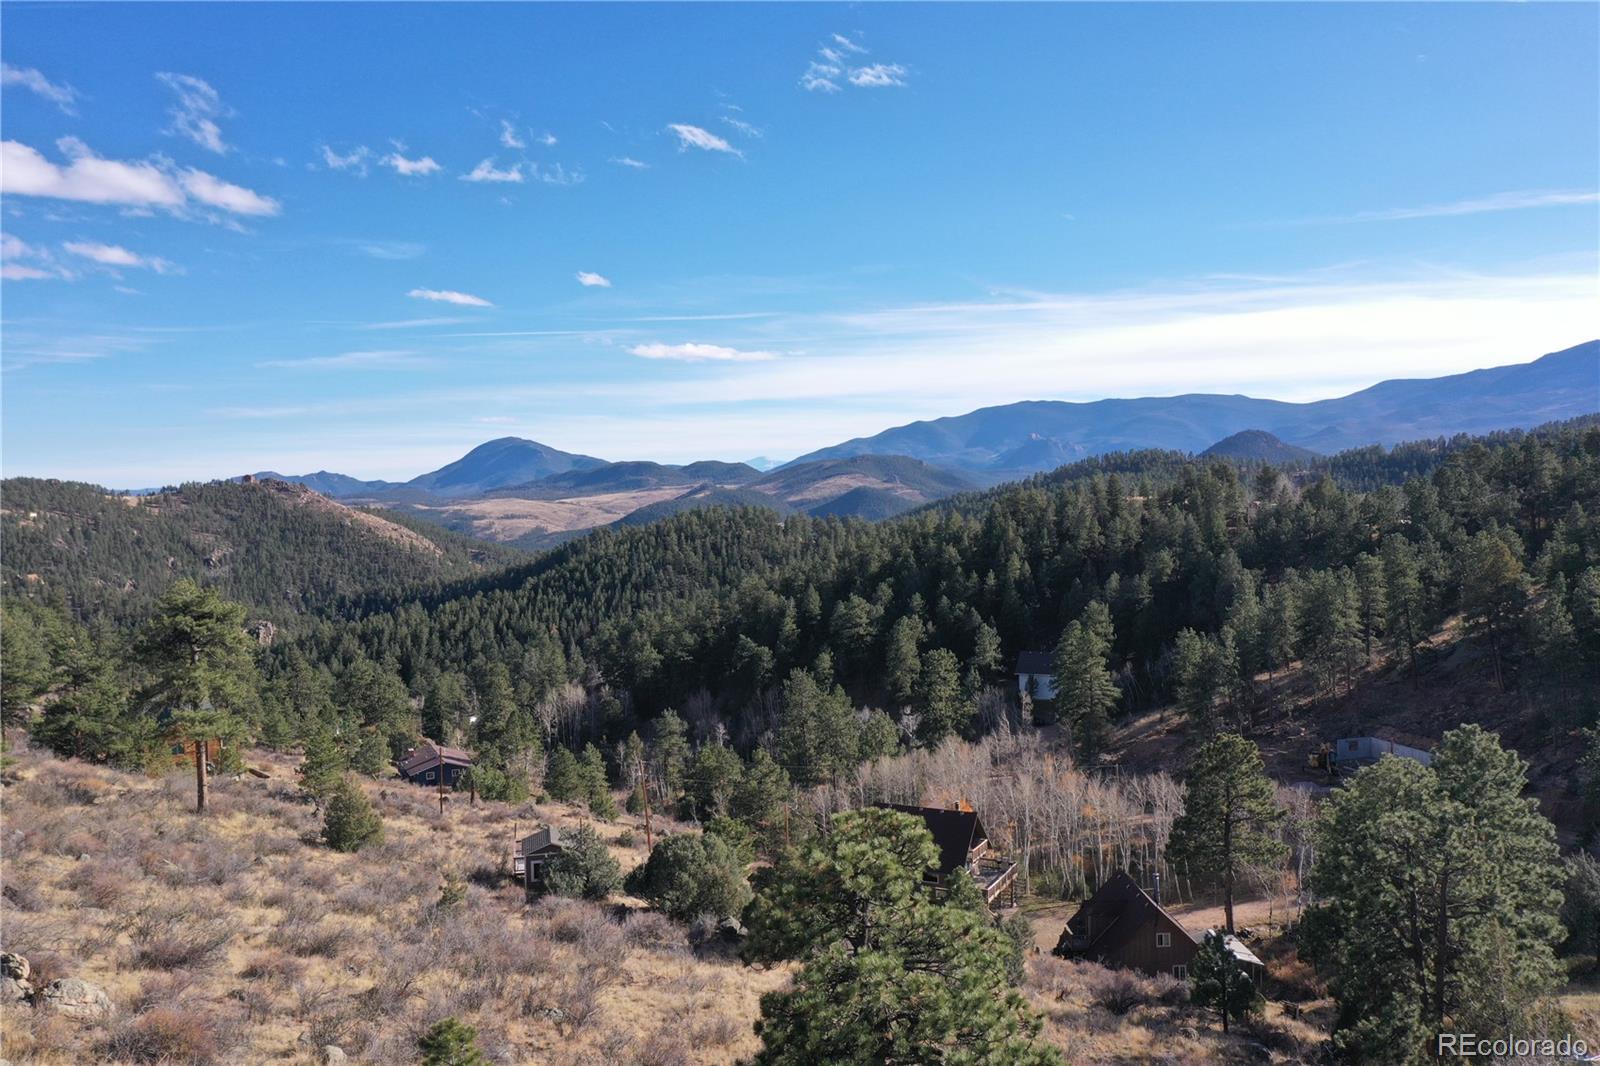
(1410, 740)
(1034, 662)
(955, 832)
(1116, 912)
(545, 837)
(1236, 947)
(427, 754)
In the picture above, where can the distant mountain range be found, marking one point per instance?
(998, 443)
(531, 494)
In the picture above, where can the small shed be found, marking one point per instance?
(534, 854)
(1121, 925)
(430, 763)
(1035, 675)
(963, 843)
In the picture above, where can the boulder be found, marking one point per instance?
(15, 991)
(332, 1053)
(76, 998)
(13, 965)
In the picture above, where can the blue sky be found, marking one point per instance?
(368, 237)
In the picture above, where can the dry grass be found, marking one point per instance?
(238, 938)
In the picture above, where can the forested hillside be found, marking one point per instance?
(281, 549)
(1193, 578)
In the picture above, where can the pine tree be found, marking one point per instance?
(1403, 583)
(669, 754)
(887, 974)
(350, 822)
(1229, 816)
(323, 767)
(1086, 694)
(938, 699)
(585, 868)
(1218, 981)
(903, 662)
(818, 735)
(1494, 594)
(1372, 600)
(1437, 888)
(596, 785)
(203, 663)
(690, 874)
(372, 755)
(564, 780)
(451, 1043)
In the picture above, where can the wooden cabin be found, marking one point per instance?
(183, 752)
(1349, 754)
(434, 764)
(534, 854)
(1036, 675)
(963, 844)
(1120, 925)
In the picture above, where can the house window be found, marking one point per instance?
(1352, 745)
(1163, 940)
(1181, 972)
(428, 776)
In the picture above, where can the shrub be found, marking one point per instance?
(585, 868)
(1119, 992)
(691, 874)
(351, 823)
(451, 1043)
(493, 784)
(563, 779)
(170, 938)
(165, 1034)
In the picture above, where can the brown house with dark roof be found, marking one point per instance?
(963, 844)
(1120, 925)
(428, 763)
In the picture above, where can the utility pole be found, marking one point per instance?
(644, 794)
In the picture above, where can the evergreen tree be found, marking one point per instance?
(596, 785)
(1372, 600)
(818, 735)
(903, 664)
(887, 975)
(1195, 680)
(1580, 907)
(939, 700)
(323, 767)
(1229, 814)
(762, 799)
(879, 736)
(1586, 616)
(564, 780)
(350, 823)
(445, 709)
(669, 754)
(1330, 629)
(1437, 891)
(372, 755)
(1218, 981)
(1402, 581)
(585, 868)
(1494, 594)
(714, 778)
(1086, 694)
(203, 667)
(690, 874)
(451, 1043)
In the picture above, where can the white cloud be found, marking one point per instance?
(197, 110)
(63, 96)
(629, 161)
(705, 140)
(416, 323)
(509, 137)
(87, 178)
(589, 279)
(354, 160)
(390, 250)
(114, 255)
(743, 127)
(382, 359)
(21, 261)
(449, 296)
(699, 353)
(411, 167)
(1505, 201)
(555, 174)
(485, 171)
(836, 63)
(819, 77)
(215, 192)
(878, 75)
(548, 140)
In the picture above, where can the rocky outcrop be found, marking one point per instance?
(76, 998)
(14, 984)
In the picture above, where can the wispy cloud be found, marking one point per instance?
(486, 172)
(554, 174)
(88, 178)
(417, 323)
(355, 160)
(1519, 200)
(63, 96)
(703, 139)
(548, 139)
(114, 255)
(837, 63)
(699, 353)
(25, 349)
(196, 113)
(746, 128)
(390, 250)
(449, 296)
(380, 359)
(21, 261)
(590, 280)
(409, 168)
(629, 161)
(509, 137)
